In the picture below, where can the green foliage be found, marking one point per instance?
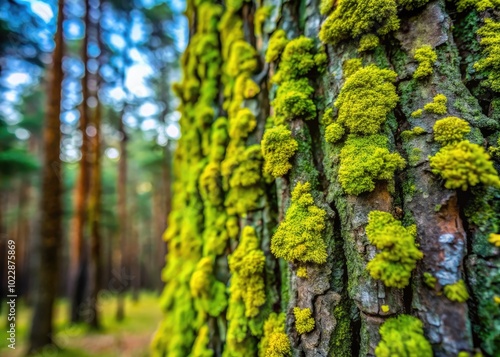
(334, 132)
(299, 235)
(368, 42)
(403, 336)
(490, 40)
(464, 164)
(365, 159)
(457, 291)
(304, 322)
(366, 98)
(450, 130)
(354, 18)
(426, 57)
(278, 146)
(438, 105)
(399, 254)
(277, 43)
(275, 342)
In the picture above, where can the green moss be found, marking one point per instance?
(417, 113)
(480, 5)
(463, 165)
(457, 291)
(407, 134)
(403, 336)
(426, 57)
(368, 42)
(243, 58)
(450, 130)
(211, 184)
(297, 60)
(304, 322)
(299, 235)
(242, 125)
(275, 342)
(334, 132)
(366, 99)
(354, 18)
(327, 117)
(278, 146)
(200, 347)
(293, 101)
(490, 39)
(326, 6)
(363, 160)
(351, 66)
(277, 44)
(438, 105)
(210, 294)
(260, 16)
(430, 280)
(399, 254)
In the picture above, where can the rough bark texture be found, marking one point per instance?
(41, 333)
(214, 164)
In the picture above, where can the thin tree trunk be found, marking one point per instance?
(42, 333)
(122, 224)
(78, 258)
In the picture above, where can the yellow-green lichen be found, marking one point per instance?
(480, 5)
(304, 322)
(407, 134)
(293, 101)
(426, 57)
(490, 40)
(350, 66)
(278, 146)
(430, 280)
(403, 336)
(299, 235)
(354, 18)
(366, 98)
(200, 346)
(275, 342)
(302, 272)
(438, 105)
(260, 16)
(417, 113)
(368, 42)
(464, 164)
(334, 132)
(364, 160)
(494, 239)
(209, 293)
(277, 44)
(297, 60)
(399, 254)
(450, 130)
(457, 291)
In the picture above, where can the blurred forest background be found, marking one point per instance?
(104, 68)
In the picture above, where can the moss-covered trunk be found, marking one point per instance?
(336, 189)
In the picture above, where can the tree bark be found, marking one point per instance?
(41, 333)
(347, 303)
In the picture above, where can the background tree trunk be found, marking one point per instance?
(348, 305)
(41, 333)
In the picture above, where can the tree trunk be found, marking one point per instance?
(354, 221)
(41, 333)
(79, 260)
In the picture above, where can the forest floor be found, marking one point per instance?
(130, 338)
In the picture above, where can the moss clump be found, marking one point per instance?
(430, 280)
(464, 164)
(200, 347)
(354, 18)
(275, 342)
(260, 16)
(366, 98)
(490, 39)
(480, 5)
(438, 105)
(304, 322)
(243, 58)
(407, 134)
(247, 266)
(399, 254)
(456, 292)
(293, 101)
(494, 239)
(450, 130)
(297, 60)
(299, 235)
(277, 44)
(351, 66)
(426, 57)
(417, 113)
(278, 146)
(365, 159)
(334, 132)
(302, 272)
(210, 293)
(403, 336)
(368, 42)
